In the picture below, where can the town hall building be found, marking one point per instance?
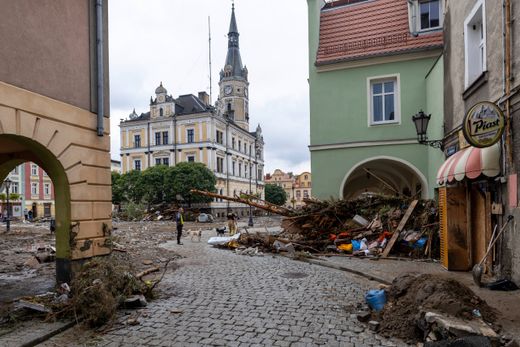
(189, 128)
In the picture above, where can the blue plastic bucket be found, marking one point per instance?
(376, 299)
(356, 245)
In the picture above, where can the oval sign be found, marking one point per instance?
(484, 124)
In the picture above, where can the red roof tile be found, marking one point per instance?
(366, 29)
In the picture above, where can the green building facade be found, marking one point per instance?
(363, 139)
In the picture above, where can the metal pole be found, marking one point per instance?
(8, 222)
(250, 222)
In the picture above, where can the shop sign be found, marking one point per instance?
(484, 124)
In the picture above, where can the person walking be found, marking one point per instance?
(232, 224)
(179, 219)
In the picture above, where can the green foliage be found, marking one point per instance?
(187, 176)
(275, 194)
(163, 184)
(12, 197)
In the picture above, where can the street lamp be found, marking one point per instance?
(421, 121)
(250, 222)
(7, 185)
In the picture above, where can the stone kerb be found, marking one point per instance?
(69, 134)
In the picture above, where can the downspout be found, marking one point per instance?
(100, 67)
(507, 51)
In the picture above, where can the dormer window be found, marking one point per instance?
(429, 15)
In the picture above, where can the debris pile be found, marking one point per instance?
(434, 308)
(96, 292)
(371, 225)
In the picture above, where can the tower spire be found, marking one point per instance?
(233, 67)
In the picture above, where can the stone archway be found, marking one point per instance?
(384, 175)
(62, 139)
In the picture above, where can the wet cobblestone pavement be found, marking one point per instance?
(218, 298)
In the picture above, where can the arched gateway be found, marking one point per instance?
(62, 139)
(384, 175)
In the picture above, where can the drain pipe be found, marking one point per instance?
(100, 72)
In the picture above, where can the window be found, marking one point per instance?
(161, 112)
(190, 158)
(190, 135)
(220, 136)
(383, 103)
(233, 165)
(34, 170)
(14, 188)
(137, 165)
(475, 43)
(430, 14)
(220, 164)
(298, 194)
(239, 169)
(157, 139)
(306, 177)
(47, 189)
(137, 141)
(259, 173)
(34, 188)
(249, 149)
(239, 145)
(233, 142)
(306, 194)
(166, 161)
(165, 137)
(157, 161)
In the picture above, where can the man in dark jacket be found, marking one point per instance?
(179, 219)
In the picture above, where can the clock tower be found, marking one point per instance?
(233, 98)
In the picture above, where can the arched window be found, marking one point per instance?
(161, 112)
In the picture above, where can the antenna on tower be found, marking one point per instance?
(209, 44)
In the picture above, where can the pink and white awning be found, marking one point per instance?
(470, 162)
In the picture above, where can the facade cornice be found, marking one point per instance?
(357, 144)
(377, 60)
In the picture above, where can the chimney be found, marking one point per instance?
(204, 97)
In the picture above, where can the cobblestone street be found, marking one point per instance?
(232, 300)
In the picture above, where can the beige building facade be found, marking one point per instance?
(296, 187)
(54, 106)
(189, 128)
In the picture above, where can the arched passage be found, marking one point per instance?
(15, 150)
(384, 175)
(63, 140)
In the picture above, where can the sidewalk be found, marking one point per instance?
(385, 270)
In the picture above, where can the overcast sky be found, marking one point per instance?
(167, 40)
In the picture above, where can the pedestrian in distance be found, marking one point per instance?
(179, 219)
(232, 224)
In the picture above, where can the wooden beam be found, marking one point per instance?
(400, 228)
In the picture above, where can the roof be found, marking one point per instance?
(355, 29)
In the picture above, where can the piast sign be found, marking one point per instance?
(483, 124)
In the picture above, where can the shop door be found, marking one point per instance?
(455, 250)
(480, 225)
(47, 209)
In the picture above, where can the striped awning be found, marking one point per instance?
(470, 162)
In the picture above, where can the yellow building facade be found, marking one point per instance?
(296, 187)
(189, 128)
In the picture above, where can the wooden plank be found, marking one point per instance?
(400, 228)
(443, 229)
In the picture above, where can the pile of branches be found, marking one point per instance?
(318, 219)
(101, 286)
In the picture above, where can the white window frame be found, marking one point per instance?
(187, 135)
(47, 189)
(35, 184)
(480, 6)
(15, 187)
(397, 99)
(140, 165)
(418, 16)
(34, 170)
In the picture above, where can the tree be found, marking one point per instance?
(118, 191)
(275, 194)
(186, 176)
(156, 185)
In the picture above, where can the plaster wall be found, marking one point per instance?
(48, 46)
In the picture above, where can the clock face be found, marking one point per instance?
(228, 90)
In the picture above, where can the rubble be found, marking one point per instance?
(433, 307)
(370, 226)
